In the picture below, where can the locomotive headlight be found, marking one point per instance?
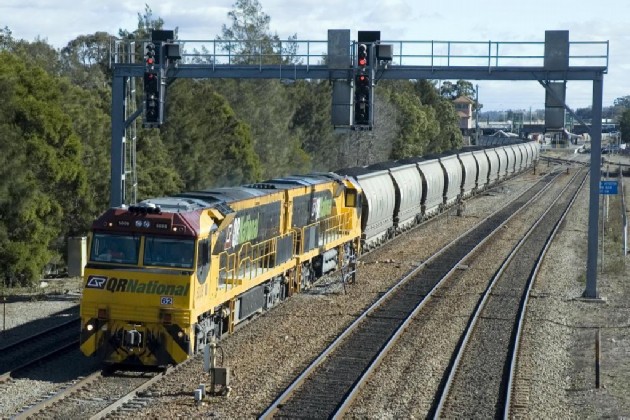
(138, 223)
(89, 327)
(180, 334)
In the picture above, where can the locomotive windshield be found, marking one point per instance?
(169, 252)
(115, 248)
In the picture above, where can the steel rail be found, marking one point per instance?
(352, 394)
(453, 369)
(274, 406)
(31, 337)
(523, 308)
(125, 399)
(58, 396)
(133, 394)
(65, 347)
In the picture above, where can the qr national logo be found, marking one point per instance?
(96, 282)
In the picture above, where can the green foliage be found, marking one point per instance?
(89, 113)
(146, 23)
(266, 107)
(41, 175)
(38, 54)
(450, 136)
(86, 60)
(417, 126)
(452, 91)
(256, 44)
(425, 121)
(311, 123)
(157, 173)
(623, 102)
(624, 125)
(208, 144)
(6, 38)
(56, 131)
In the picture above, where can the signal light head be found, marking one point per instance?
(150, 61)
(362, 55)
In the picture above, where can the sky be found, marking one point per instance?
(60, 21)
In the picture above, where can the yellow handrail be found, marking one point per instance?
(249, 260)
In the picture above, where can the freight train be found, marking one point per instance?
(167, 275)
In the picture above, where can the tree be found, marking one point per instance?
(417, 126)
(624, 126)
(41, 174)
(6, 39)
(38, 54)
(311, 123)
(255, 44)
(157, 173)
(465, 88)
(146, 23)
(623, 102)
(208, 144)
(448, 90)
(450, 136)
(264, 104)
(89, 111)
(86, 60)
(460, 88)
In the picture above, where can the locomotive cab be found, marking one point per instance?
(136, 301)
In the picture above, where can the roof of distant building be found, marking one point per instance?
(463, 99)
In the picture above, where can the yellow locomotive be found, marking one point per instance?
(168, 274)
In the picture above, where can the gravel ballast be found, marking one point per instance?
(556, 376)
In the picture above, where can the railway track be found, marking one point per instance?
(93, 396)
(328, 385)
(479, 380)
(97, 396)
(31, 350)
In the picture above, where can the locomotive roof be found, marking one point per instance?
(226, 194)
(293, 180)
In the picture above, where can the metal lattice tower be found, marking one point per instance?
(124, 53)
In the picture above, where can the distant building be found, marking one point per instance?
(463, 106)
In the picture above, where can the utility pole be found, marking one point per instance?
(477, 115)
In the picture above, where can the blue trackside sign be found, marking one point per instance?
(608, 187)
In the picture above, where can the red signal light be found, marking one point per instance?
(362, 62)
(150, 61)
